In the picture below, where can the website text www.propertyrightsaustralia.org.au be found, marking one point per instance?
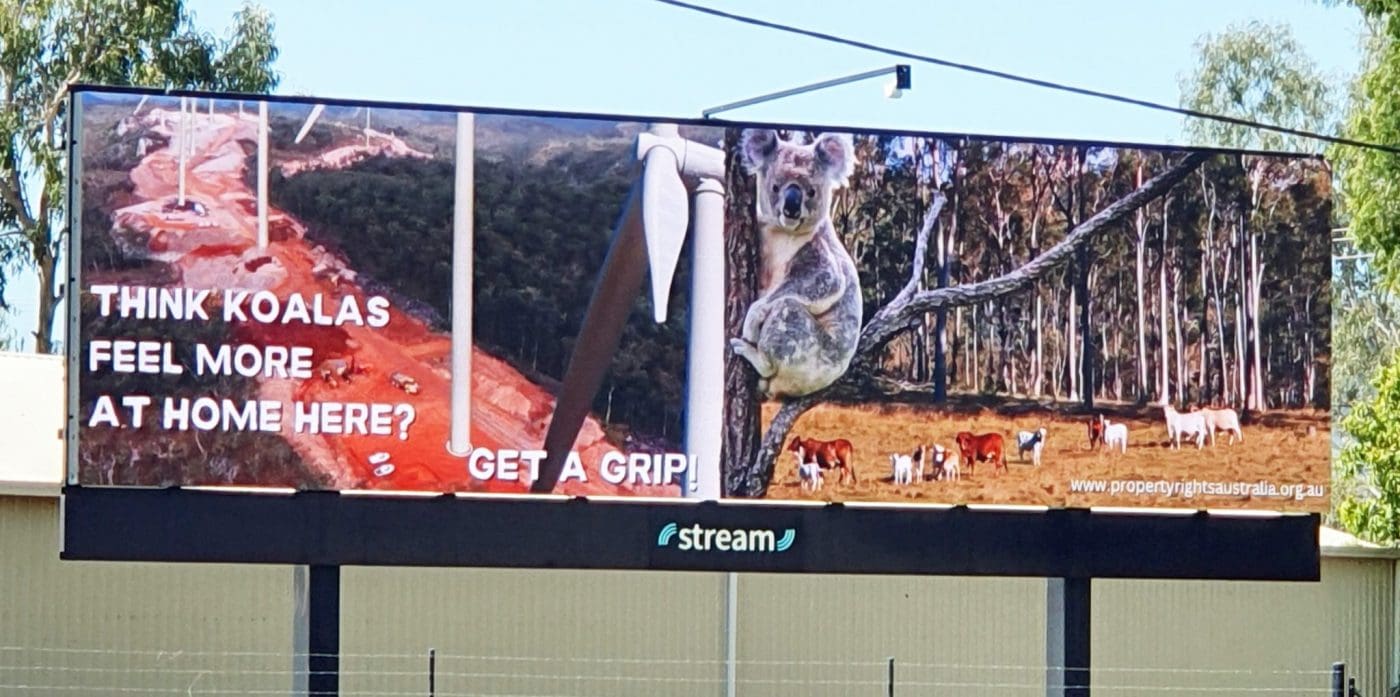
(1191, 488)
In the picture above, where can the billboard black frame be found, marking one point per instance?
(332, 529)
(328, 528)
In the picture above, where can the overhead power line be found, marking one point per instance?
(1083, 91)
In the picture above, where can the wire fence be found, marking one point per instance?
(56, 671)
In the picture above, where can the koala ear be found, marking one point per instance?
(837, 156)
(757, 147)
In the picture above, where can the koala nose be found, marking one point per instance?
(792, 201)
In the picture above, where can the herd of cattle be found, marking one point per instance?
(815, 457)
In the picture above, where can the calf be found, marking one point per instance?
(1033, 441)
(1095, 431)
(989, 447)
(810, 475)
(903, 468)
(1227, 420)
(945, 463)
(1115, 435)
(833, 454)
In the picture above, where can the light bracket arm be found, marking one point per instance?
(903, 81)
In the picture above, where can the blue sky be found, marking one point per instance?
(641, 57)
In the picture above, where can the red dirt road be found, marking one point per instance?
(217, 250)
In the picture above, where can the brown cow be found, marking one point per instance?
(990, 447)
(828, 454)
(1095, 431)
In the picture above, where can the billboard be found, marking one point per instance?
(332, 296)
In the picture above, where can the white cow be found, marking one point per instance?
(903, 466)
(1222, 420)
(1115, 435)
(1179, 424)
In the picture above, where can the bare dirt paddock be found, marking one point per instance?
(1279, 449)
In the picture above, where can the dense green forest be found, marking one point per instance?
(541, 232)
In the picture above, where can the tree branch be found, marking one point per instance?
(916, 274)
(897, 315)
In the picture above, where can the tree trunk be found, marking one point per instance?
(48, 271)
(1257, 280)
(1241, 320)
(1038, 360)
(740, 447)
(946, 238)
(1203, 340)
(1117, 348)
(1164, 377)
(958, 368)
(1143, 387)
(1218, 294)
(1181, 379)
(1086, 331)
(1056, 376)
(974, 365)
(1071, 334)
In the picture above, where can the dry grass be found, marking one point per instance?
(1278, 448)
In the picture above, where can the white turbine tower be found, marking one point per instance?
(182, 143)
(649, 236)
(262, 175)
(463, 210)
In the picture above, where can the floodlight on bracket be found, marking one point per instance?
(894, 89)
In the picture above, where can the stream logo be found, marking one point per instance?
(699, 538)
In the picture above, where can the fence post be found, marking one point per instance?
(1339, 683)
(890, 681)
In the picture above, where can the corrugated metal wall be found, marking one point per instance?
(516, 632)
(108, 628)
(1247, 635)
(104, 628)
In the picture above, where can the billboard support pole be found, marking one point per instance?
(262, 175)
(316, 630)
(1068, 615)
(731, 634)
(463, 210)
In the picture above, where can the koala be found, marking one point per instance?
(801, 332)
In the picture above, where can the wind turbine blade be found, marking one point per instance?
(310, 121)
(665, 218)
(619, 283)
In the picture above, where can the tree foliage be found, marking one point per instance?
(1371, 178)
(1260, 72)
(1370, 464)
(46, 46)
(1367, 480)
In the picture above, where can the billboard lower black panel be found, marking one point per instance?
(182, 525)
